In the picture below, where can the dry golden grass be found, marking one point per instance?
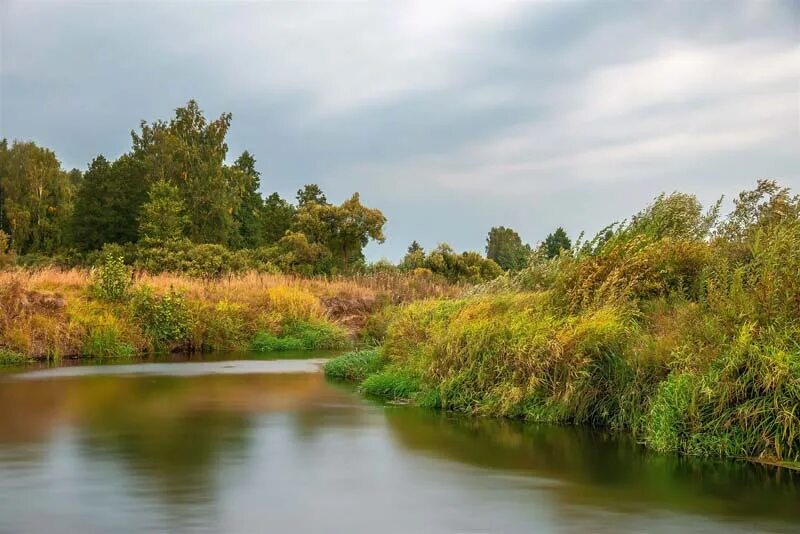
(50, 312)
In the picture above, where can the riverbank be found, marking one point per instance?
(113, 313)
(676, 327)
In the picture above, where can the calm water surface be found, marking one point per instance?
(270, 446)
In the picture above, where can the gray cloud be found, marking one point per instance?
(451, 117)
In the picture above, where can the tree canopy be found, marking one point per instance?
(505, 247)
(555, 242)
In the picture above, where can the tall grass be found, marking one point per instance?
(677, 326)
(48, 312)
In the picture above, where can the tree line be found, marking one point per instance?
(172, 203)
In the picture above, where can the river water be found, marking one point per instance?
(247, 445)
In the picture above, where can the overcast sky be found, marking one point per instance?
(451, 117)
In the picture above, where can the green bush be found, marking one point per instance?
(111, 280)
(354, 366)
(164, 319)
(222, 327)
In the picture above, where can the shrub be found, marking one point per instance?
(164, 319)
(209, 261)
(222, 326)
(111, 280)
(294, 304)
(354, 366)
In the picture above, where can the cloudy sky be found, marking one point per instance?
(451, 117)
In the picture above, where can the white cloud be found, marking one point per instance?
(630, 120)
(349, 56)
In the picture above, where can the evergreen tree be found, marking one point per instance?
(278, 217)
(95, 221)
(556, 242)
(249, 215)
(311, 193)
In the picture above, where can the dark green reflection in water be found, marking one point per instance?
(603, 469)
(283, 451)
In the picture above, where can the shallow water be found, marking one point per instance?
(271, 446)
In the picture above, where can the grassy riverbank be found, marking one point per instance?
(110, 312)
(679, 328)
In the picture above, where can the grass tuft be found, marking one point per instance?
(354, 366)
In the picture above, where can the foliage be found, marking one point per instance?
(391, 385)
(444, 261)
(112, 279)
(342, 230)
(103, 211)
(163, 216)
(35, 198)
(676, 327)
(189, 152)
(301, 335)
(556, 242)
(248, 215)
(107, 342)
(49, 312)
(164, 319)
(354, 366)
(310, 193)
(8, 357)
(505, 247)
(278, 217)
(7, 255)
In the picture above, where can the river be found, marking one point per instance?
(235, 445)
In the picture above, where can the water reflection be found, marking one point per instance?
(262, 449)
(601, 468)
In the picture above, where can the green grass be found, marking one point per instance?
(106, 342)
(299, 335)
(391, 385)
(354, 366)
(8, 357)
(266, 342)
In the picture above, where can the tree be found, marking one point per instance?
(36, 197)
(465, 267)
(189, 152)
(162, 225)
(414, 258)
(310, 193)
(249, 214)
(505, 247)
(163, 216)
(96, 217)
(278, 217)
(555, 242)
(344, 230)
(7, 256)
